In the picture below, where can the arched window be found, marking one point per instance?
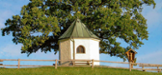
(80, 49)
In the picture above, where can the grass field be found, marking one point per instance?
(72, 71)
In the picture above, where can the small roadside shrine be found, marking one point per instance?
(77, 42)
(131, 56)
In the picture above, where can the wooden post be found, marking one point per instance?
(143, 68)
(159, 70)
(88, 62)
(130, 56)
(129, 66)
(73, 62)
(92, 63)
(18, 63)
(56, 64)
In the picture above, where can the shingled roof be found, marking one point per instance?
(78, 30)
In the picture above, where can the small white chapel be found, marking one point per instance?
(77, 42)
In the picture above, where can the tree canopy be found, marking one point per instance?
(42, 22)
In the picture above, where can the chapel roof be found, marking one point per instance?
(131, 50)
(78, 30)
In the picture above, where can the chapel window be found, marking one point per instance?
(80, 49)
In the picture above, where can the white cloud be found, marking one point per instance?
(153, 58)
(42, 55)
(13, 5)
(153, 16)
(1, 24)
(4, 16)
(10, 50)
(150, 58)
(5, 4)
(9, 8)
(14, 51)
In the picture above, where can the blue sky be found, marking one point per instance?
(150, 52)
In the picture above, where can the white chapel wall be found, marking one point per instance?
(91, 49)
(86, 44)
(94, 51)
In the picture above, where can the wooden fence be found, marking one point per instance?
(92, 64)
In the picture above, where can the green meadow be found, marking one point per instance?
(72, 71)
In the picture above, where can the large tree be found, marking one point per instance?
(42, 22)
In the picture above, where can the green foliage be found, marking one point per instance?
(73, 71)
(42, 22)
